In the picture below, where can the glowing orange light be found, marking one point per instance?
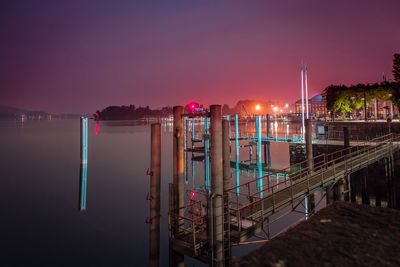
(275, 109)
(258, 107)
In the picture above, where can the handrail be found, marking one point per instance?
(384, 139)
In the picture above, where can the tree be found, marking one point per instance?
(396, 67)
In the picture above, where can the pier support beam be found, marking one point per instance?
(155, 181)
(309, 150)
(340, 190)
(309, 203)
(330, 195)
(346, 137)
(177, 259)
(364, 187)
(217, 223)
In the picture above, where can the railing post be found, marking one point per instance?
(291, 191)
(273, 200)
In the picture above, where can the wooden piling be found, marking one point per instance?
(177, 259)
(309, 150)
(178, 158)
(226, 154)
(217, 223)
(155, 181)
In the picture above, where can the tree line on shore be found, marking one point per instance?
(346, 99)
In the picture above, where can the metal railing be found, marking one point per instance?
(304, 180)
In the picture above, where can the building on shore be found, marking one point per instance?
(316, 106)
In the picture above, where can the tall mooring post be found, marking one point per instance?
(206, 138)
(226, 154)
(259, 156)
(309, 199)
(216, 204)
(155, 182)
(237, 158)
(309, 149)
(83, 163)
(177, 259)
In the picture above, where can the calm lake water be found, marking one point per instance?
(39, 193)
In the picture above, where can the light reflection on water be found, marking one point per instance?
(40, 191)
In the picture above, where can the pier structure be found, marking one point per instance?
(213, 220)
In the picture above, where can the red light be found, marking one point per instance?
(193, 194)
(192, 106)
(96, 128)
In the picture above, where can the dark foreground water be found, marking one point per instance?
(39, 193)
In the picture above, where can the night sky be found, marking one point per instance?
(79, 56)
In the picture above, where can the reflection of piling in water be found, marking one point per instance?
(83, 163)
(155, 181)
(177, 259)
(216, 224)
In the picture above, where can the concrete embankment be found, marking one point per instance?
(342, 234)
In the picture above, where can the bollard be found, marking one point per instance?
(155, 181)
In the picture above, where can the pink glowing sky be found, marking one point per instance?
(79, 56)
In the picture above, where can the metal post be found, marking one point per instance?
(306, 89)
(226, 154)
(237, 153)
(206, 153)
(309, 149)
(155, 181)
(309, 204)
(83, 165)
(217, 186)
(302, 101)
(185, 129)
(259, 156)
